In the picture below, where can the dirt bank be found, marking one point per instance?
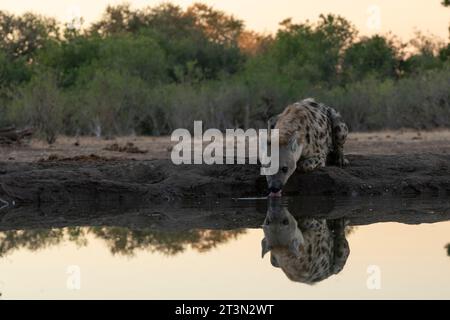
(118, 181)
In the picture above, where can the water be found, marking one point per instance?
(396, 249)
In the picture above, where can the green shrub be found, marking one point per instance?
(38, 104)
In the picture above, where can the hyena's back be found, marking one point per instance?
(319, 127)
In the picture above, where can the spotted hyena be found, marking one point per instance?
(308, 250)
(311, 135)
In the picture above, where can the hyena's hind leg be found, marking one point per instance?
(340, 132)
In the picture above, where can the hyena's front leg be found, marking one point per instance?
(340, 132)
(311, 163)
(341, 249)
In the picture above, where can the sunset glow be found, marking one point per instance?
(403, 18)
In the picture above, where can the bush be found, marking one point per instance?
(38, 104)
(109, 104)
(420, 102)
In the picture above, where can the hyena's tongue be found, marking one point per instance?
(275, 194)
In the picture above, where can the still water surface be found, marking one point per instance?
(369, 253)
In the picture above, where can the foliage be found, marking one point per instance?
(375, 56)
(23, 36)
(38, 104)
(152, 70)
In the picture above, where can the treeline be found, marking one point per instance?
(153, 70)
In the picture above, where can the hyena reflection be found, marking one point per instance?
(307, 250)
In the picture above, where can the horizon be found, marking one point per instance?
(363, 15)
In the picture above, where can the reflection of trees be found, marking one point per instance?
(118, 239)
(126, 241)
(29, 239)
(349, 230)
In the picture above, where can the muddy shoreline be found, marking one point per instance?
(134, 182)
(226, 214)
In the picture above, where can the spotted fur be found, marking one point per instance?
(324, 252)
(321, 251)
(319, 128)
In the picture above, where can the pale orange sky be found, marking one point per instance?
(402, 17)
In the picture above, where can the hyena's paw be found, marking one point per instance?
(337, 158)
(311, 164)
(345, 162)
(342, 161)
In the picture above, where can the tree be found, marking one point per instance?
(199, 36)
(312, 52)
(252, 43)
(218, 26)
(376, 56)
(22, 36)
(13, 71)
(446, 3)
(136, 55)
(444, 53)
(117, 19)
(69, 58)
(428, 54)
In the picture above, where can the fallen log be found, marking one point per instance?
(7, 129)
(11, 135)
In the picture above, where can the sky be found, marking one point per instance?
(401, 17)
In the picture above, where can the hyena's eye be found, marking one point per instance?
(285, 222)
(284, 169)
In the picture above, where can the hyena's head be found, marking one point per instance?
(289, 154)
(281, 232)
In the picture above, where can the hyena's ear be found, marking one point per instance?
(294, 247)
(272, 122)
(274, 261)
(293, 143)
(296, 148)
(270, 125)
(264, 247)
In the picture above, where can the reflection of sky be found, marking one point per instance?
(412, 259)
(401, 17)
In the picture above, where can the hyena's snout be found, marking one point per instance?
(274, 186)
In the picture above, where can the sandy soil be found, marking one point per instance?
(399, 142)
(146, 148)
